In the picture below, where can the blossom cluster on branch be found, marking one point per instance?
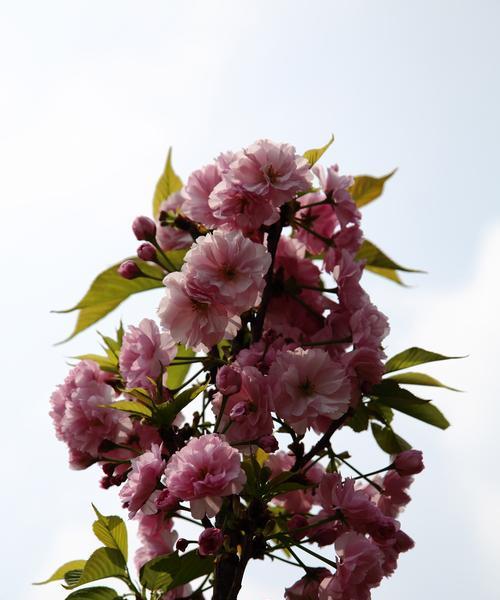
(223, 412)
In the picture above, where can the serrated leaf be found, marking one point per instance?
(380, 264)
(73, 576)
(177, 373)
(366, 188)
(112, 532)
(412, 357)
(94, 593)
(103, 563)
(167, 412)
(315, 154)
(170, 571)
(413, 378)
(389, 441)
(62, 570)
(168, 183)
(129, 406)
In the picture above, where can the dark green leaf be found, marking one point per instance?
(171, 571)
(73, 576)
(177, 373)
(391, 389)
(62, 570)
(103, 563)
(359, 421)
(169, 410)
(412, 357)
(94, 593)
(168, 183)
(389, 441)
(315, 154)
(380, 412)
(365, 188)
(135, 408)
(412, 378)
(112, 532)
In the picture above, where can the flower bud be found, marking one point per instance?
(297, 522)
(408, 462)
(238, 412)
(403, 542)
(129, 270)
(210, 540)
(167, 501)
(147, 251)
(268, 443)
(144, 228)
(228, 380)
(181, 544)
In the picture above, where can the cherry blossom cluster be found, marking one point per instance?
(268, 305)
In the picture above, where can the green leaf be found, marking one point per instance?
(389, 441)
(412, 357)
(94, 593)
(169, 410)
(412, 378)
(103, 361)
(168, 183)
(73, 576)
(177, 373)
(391, 389)
(315, 154)
(379, 263)
(171, 570)
(103, 563)
(359, 421)
(112, 532)
(129, 406)
(62, 570)
(365, 188)
(380, 412)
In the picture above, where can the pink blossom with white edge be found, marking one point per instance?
(139, 491)
(203, 472)
(309, 386)
(191, 315)
(197, 190)
(307, 588)
(144, 353)
(320, 218)
(231, 266)
(369, 326)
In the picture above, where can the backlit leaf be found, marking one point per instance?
(168, 183)
(103, 563)
(94, 593)
(170, 571)
(389, 441)
(177, 373)
(366, 188)
(135, 408)
(169, 410)
(112, 532)
(62, 570)
(315, 154)
(413, 378)
(412, 357)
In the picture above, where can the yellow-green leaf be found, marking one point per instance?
(72, 565)
(169, 410)
(379, 263)
(112, 532)
(170, 571)
(388, 440)
(412, 357)
(130, 406)
(103, 563)
(366, 188)
(177, 373)
(168, 183)
(315, 154)
(94, 593)
(413, 378)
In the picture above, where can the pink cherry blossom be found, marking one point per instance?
(197, 191)
(138, 493)
(228, 380)
(409, 462)
(156, 535)
(79, 416)
(144, 353)
(337, 187)
(321, 219)
(203, 472)
(307, 588)
(210, 540)
(168, 236)
(395, 496)
(192, 317)
(231, 266)
(309, 385)
(369, 326)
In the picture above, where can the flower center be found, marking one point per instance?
(306, 387)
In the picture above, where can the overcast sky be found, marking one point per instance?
(94, 93)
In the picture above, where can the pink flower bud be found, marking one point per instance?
(181, 544)
(167, 501)
(268, 443)
(146, 251)
(238, 412)
(210, 540)
(403, 542)
(129, 270)
(408, 462)
(228, 380)
(144, 228)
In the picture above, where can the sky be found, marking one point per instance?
(94, 93)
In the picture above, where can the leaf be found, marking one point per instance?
(94, 593)
(379, 263)
(169, 410)
(103, 563)
(112, 532)
(412, 357)
(315, 154)
(73, 576)
(359, 421)
(136, 408)
(62, 570)
(391, 389)
(171, 570)
(412, 378)
(168, 183)
(366, 188)
(386, 273)
(103, 361)
(389, 441)
(177, 373)
(261, 457)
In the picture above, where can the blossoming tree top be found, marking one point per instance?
(265, 334)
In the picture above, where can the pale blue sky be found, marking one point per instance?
(93, 93)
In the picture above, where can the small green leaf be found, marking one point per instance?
(380, 264)
(171, 570)
(412, 378)
(129, 406)
(391, 389)
(62, 570)
(169, 410)
(73, 576)
(315, 154)
(177, 373)
(359, 421)
(412, 357)
(112, 532)
(103, 563)
(168, 183)
(365, 188)
(94, 593)
(390, 274)
(389, 441)
(103, 361)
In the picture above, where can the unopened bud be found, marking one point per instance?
(408, 462)
(268, 443)
(210, 540)
(181, 544)
(146, 251)
(129, 270)
(144, 228)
